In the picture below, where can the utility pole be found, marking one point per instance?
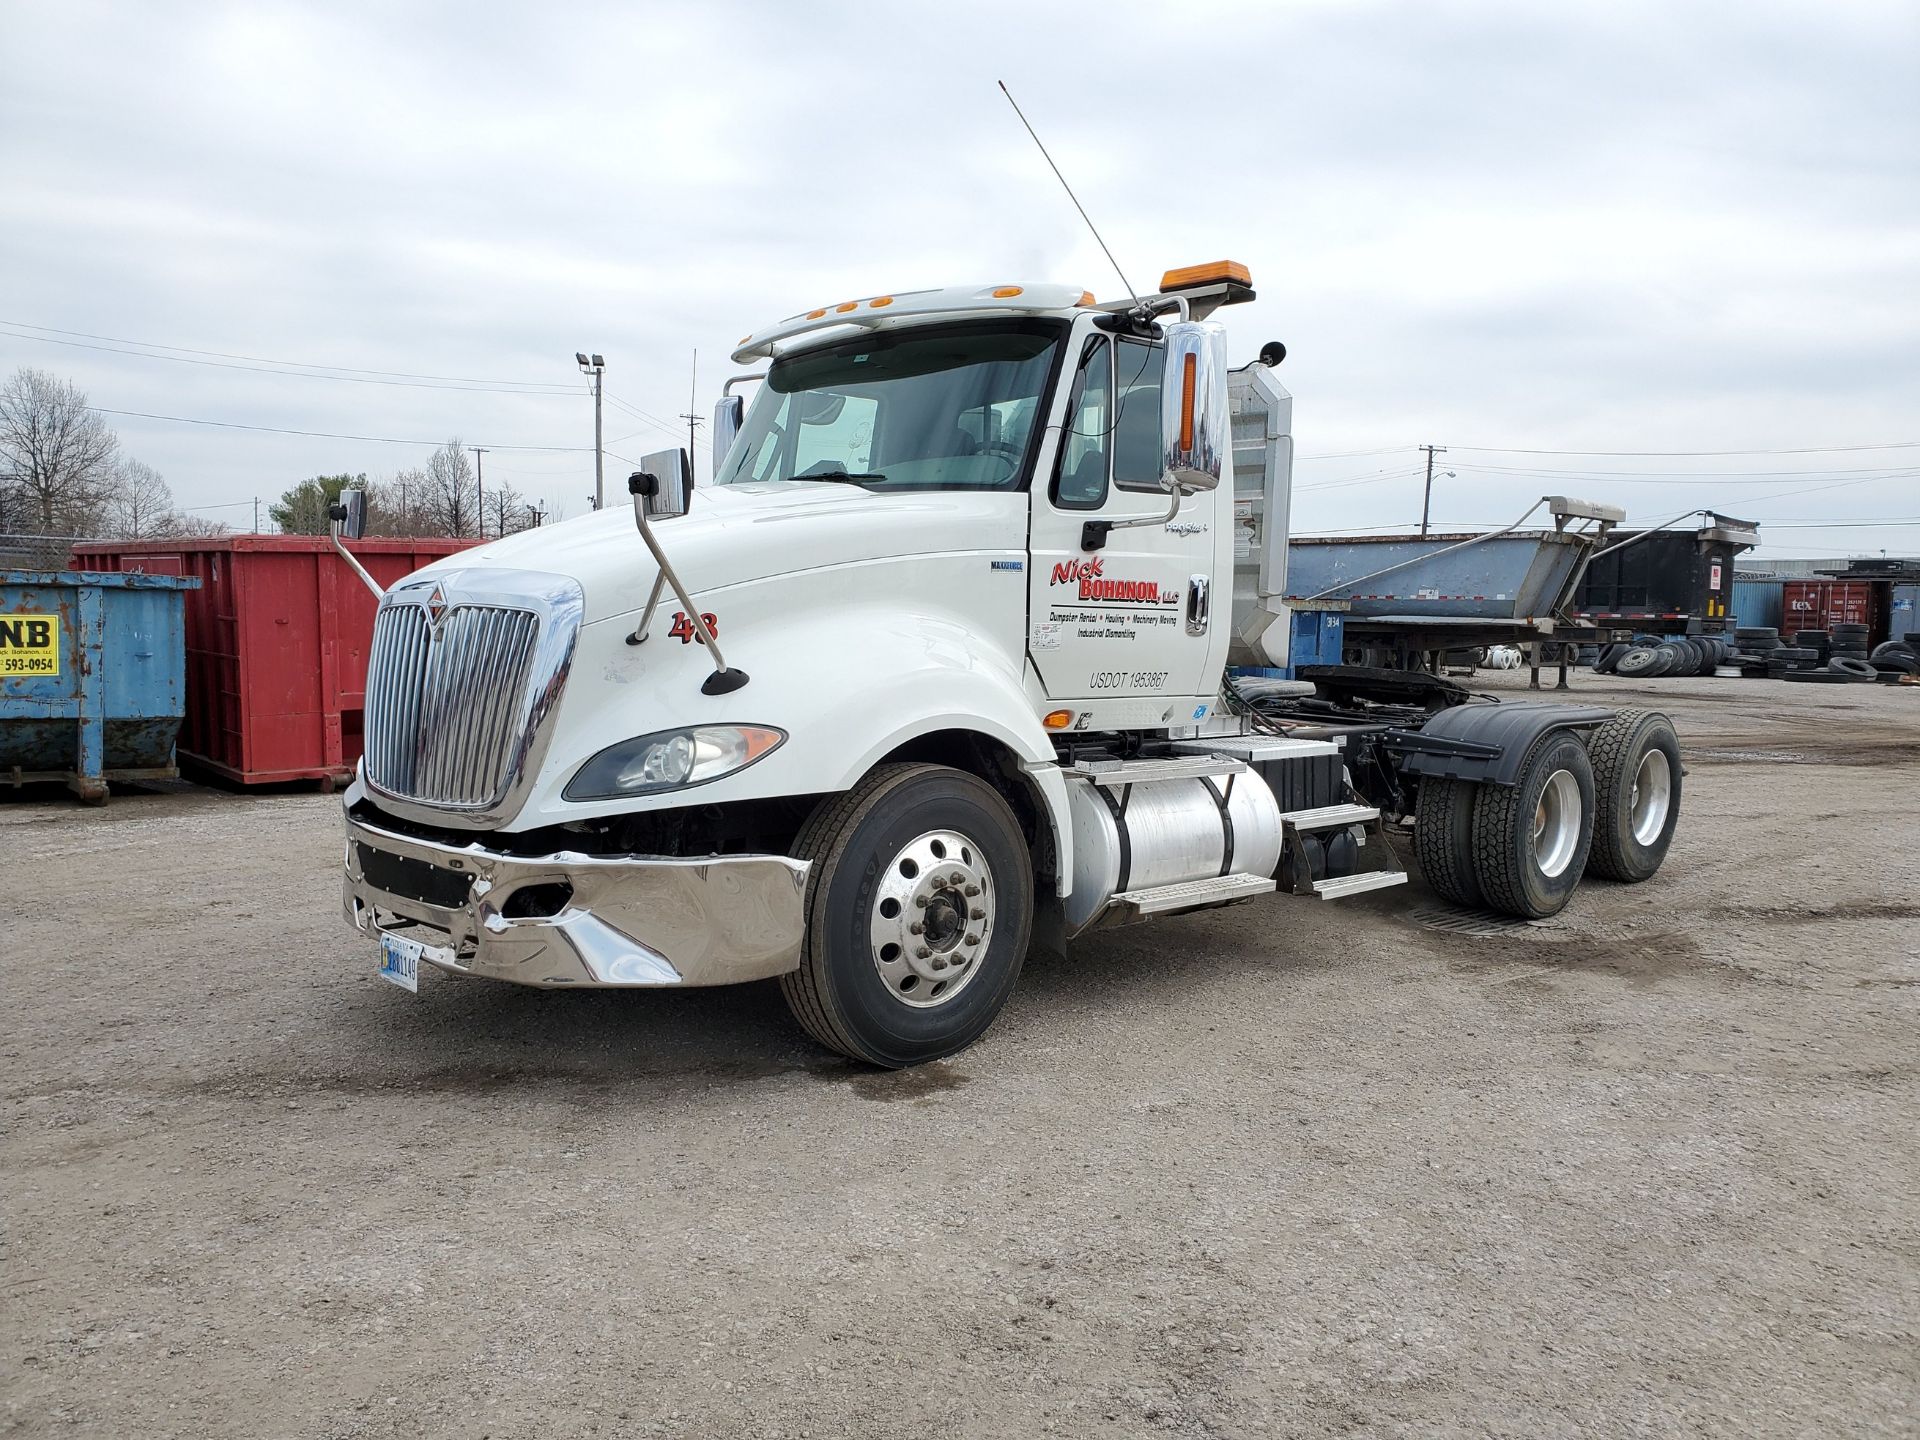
(479, 490)
(256, 514)
(692, 415)
(595, 367)
(1426, 500)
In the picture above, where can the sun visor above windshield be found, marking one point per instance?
(880, 311)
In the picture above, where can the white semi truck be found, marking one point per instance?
(938, 670)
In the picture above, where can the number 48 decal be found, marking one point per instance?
(686, 632)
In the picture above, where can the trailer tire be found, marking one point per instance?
(847, 993)
(1639, 660)
(1636, 794)
(1531, 838)
(1443, 840)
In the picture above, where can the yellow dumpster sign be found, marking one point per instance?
(29, 645)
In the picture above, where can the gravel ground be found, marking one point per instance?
(1290, 1168)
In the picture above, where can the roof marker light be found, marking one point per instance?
(844, 306)
(1007, 292)
(881, 301)
(1215, 272)
(1086, 298)
(815, 314)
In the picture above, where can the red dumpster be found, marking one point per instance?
(277, 639)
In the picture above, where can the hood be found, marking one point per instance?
(734, 534)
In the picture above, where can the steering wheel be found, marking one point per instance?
(1004, 450)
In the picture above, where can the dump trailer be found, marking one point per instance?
(939, 670)
(1665, 582)
(1414, 601)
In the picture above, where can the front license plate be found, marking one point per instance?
(400, 961)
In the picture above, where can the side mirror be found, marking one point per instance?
(662, 486)
(1194, 427)
(349, 514)
(727, 417)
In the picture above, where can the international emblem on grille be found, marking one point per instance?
(436, 607)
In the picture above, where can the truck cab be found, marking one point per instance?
(934, 672)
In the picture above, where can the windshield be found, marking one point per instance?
(947, 408)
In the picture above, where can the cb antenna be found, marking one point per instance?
(1132, 294)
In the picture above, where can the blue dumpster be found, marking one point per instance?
(92, 676)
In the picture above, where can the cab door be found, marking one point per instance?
(1128, 623)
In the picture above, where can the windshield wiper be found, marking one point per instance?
(851, 477)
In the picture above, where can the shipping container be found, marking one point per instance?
(1823, 604)
(276, 645)
(92, 677)
(1756, 603)
(1904, 618)
(1665, 581)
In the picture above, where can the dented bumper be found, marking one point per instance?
(580, 920)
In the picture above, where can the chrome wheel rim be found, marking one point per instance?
(1652, 797)
(932, 919)
(1556, 824)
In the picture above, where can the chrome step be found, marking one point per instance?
(1329, 817)
(1192, 893)
(1344, 885)
(1112, 774)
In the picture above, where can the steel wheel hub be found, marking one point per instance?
(1556, 824)
(1652, 795)
(932, 918)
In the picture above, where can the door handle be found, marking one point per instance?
(1199, 603)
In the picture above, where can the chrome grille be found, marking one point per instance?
(447, 712)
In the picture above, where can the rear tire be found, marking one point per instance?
(1531, 839)
(910, 845)
(1636, 790)
(1443, 840)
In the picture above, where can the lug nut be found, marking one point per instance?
(938, 963)
(976, 913)
(973, 940)
(957, 879)
(915, 928)
(972, 890)
(921, 901)
(922, 953)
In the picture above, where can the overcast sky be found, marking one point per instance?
(1552, 227)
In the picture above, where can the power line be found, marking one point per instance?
(1659, 454)
(538, 386)
(294, 374)
(321, 434)
(1661, 477)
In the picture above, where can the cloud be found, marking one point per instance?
(1619, 227)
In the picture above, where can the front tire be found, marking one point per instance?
(919, 909)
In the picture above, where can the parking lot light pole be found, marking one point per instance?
(595, 366)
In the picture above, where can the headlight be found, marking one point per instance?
(672, 760)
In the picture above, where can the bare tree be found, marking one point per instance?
(57, 452)
(508, 512)
(451, 504)
(403, 506)
(137, 505)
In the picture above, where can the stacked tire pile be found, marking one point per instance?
(1647, 656)
(1895, 659)
(1824, 657)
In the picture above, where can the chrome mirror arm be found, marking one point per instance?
(379, 592)
(724, 678)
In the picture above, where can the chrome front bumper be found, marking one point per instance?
(650, 921)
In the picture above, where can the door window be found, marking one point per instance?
(1081, 481)
(1138, 367)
